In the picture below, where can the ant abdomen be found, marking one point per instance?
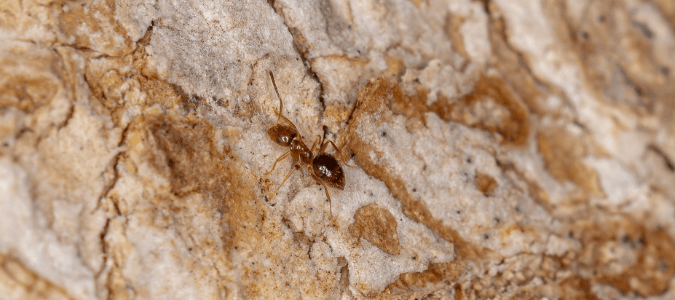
(328, 169)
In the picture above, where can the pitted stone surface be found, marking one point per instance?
(513, 149)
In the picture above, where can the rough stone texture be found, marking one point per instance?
(501, 149)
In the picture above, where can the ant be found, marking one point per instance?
(324, 167)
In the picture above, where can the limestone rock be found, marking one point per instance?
(491, 149)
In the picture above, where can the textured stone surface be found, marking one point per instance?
(500, 149)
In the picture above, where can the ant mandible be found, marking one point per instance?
(324, 167)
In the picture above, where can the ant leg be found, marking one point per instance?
(278, 159)
(330, 203)
(339, 152)
(285, 178)
(313, 145)
(281, 103)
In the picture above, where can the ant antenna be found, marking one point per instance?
(281, 103)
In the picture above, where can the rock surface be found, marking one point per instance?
(492, 149)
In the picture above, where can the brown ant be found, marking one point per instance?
(324, 167)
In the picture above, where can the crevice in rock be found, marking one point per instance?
(666, 159)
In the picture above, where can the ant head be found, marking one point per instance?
(282, 135)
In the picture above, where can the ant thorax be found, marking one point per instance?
(300, 152)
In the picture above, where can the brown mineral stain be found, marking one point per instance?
(375, 99)
(378, 226)
(445, 272)
(19, 280)
(459, 292)
(195, 165)
(157, 90)
(485, 183)
(414, 107)
(395, 66)
(114, 82)
(27, 92)
(11, 20)
(93, 26)
(524, 229)
(183, 150)
(563, 155)
(629, 75)
(453, 25)
(650, 274)
(493, 107)
(109, 82)
(338, 111)
(344, 274)
(536, 192)
(31, 78)
(117, 285)
(508, 117)
(576, 287)
(667, 8)
(513, 64)
(646, 266)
